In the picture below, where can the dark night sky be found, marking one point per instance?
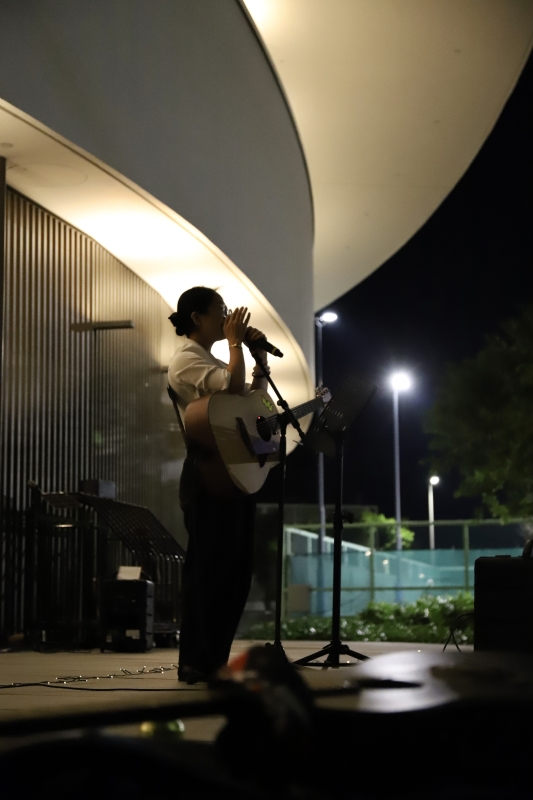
(432, 303)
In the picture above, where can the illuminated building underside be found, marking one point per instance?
(392, 101)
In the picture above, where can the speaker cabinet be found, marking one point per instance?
(127, 616)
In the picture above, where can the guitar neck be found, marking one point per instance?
(298, 411)
(306, 408)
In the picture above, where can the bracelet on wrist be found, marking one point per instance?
(236, 344)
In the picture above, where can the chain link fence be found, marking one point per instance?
(370, 572)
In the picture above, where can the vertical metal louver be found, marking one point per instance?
(76, 403)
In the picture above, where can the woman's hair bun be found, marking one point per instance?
(175, 320)
(198, 299)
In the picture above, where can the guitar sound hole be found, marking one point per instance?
(263, 429)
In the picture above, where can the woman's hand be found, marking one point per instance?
(236, 325)
(252, 334)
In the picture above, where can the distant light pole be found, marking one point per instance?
(400, 382)
(324, 319)
(433, 481)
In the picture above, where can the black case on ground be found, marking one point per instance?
(503, 603)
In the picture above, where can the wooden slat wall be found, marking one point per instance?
(77, 405)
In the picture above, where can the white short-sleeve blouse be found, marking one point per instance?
(194, 372)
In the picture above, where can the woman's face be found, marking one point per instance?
(212, 322)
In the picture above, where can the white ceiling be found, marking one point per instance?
(393, 99)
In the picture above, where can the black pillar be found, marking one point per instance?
(2, 252)
(2, 257)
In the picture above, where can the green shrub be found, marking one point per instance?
(427, 620)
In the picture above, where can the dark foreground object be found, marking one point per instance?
(503, 602)
(408, 725)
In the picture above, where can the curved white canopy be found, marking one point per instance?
(154, 241)
(392, 100)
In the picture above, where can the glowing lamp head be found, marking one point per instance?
(434, 480)
(328, 316)
(400, 381)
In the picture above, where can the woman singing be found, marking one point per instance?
(218, 566)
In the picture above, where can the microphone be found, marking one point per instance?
(262, 344)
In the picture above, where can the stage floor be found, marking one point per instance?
(31, 667)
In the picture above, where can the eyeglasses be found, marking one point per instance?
(220, 307)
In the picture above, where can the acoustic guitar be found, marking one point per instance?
(236, 438)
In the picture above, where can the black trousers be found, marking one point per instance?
(217, 572)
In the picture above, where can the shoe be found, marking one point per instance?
(190, 676)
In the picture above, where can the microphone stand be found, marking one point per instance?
(284, 419)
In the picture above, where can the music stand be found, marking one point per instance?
(328, 436)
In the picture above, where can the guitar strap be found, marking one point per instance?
(174, 398)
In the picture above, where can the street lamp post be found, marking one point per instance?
(324, 319)
(433, 481)
(400, 382)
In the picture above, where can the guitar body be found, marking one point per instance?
(235, 455)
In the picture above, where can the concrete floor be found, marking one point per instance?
(29, 701)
